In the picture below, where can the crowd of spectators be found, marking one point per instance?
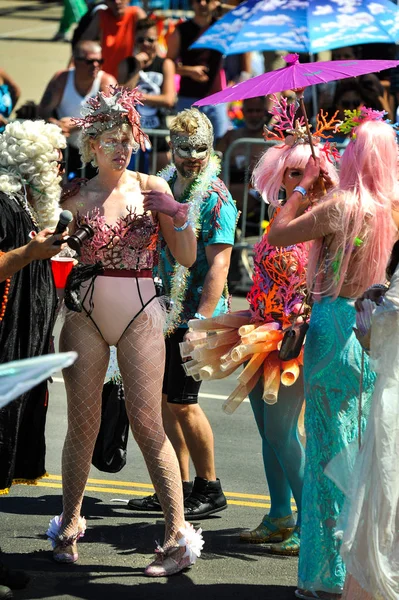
(117, 42)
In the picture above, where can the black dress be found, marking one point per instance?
(25, 331)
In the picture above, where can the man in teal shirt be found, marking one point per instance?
(200, 292)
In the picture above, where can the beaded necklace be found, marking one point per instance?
(5, 296)
(24, 203)
(193, 195)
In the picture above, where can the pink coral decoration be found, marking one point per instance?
(105, 111)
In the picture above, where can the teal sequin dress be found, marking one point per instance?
(332, 368)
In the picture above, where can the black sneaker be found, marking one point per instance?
(148, 503)
(151, 503)
(206, 499)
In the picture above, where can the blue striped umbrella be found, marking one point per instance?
(302, 26)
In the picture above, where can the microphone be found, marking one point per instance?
(65, 218)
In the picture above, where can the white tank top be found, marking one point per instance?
(72, 101)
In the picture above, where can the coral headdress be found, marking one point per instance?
(354, 118)
(106, 111)
(291, 131)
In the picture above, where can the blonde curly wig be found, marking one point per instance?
(28, 157)
(188, 121)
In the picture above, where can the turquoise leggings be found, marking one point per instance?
(283, 453)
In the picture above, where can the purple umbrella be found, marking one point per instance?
(295, 76)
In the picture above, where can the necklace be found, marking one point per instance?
(24, 203)
(193, 195)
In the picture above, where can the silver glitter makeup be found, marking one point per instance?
(197, 145)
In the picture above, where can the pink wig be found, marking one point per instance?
(365, 232)
(268, 174)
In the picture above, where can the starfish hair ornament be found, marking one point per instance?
(107, 110)
(354, 118)
(284, 122)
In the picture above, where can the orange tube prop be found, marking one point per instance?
(271, 378)
(264, 336)
(290, 372)
(208, 355)
(222, 338)
(244, 350)
(245, 329)
(233, 319)
(187, 348)
(232, 364)
(240, 393)
(213, 371)
(300, 357)
(251, 368)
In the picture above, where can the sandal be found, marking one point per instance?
(176, 559)
(309, 595)
(65, 548)
(271, 529)
(290, 546)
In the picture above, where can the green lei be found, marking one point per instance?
(194, 195)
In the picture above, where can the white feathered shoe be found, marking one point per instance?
(176, 559)
(65, 548)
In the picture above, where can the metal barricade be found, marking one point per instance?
(248, 143)
(155, 134)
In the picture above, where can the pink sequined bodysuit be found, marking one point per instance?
(128, 244)
(127, 251)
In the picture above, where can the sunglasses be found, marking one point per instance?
(91, 61)
(61, 164)
(150, 40)
(199, 1)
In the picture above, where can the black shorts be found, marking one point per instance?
(179, 387)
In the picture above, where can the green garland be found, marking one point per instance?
(194, 196)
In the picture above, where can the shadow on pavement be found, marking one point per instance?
(178, 587)
(34, 8)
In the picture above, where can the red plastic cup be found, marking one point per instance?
(61, 267)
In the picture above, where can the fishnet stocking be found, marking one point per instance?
(84, 383)
(141, 358)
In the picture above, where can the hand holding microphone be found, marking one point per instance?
(65, 218)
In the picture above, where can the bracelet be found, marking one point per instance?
(301, 190)
(183, 227)
(199, 316)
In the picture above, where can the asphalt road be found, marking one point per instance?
(118, 543)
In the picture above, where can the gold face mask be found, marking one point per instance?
(198, 145)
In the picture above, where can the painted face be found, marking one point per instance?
(116, 147)
(292, 178)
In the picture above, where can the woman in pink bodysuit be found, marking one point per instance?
(126, 211)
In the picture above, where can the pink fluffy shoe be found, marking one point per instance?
(65, 548)
(176, 559)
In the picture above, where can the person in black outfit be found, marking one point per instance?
(154, 77)
(200, 70)
(29, 193)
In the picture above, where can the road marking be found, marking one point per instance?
(116, 487)
(201, 394)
